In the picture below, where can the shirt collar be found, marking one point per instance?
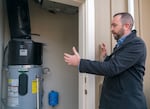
(121, 40)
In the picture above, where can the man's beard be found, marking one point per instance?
(118, 35)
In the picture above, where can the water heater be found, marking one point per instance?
(25, 75)
(24, 66)
(24, 87)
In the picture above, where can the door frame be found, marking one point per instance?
(87, 50)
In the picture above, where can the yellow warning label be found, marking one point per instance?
(34, 86)
(9, 80)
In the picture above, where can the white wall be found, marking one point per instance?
(59, 32)
(104, 11)
(144, 27)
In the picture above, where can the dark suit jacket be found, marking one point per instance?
(123, 71)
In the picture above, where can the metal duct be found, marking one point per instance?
(19, 19)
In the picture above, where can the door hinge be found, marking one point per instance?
(85, 91)
(85, 80)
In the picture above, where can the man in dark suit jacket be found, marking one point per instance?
(123, 70)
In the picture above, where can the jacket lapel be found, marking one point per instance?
(126, 41)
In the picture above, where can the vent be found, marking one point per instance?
(55, 7)
(68, 2)
(62, 6)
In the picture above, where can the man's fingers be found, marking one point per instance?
(66, 58)
(67, 55)
(75, 51)
(103, 45)
(72, 59)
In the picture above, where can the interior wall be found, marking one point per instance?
(144, 6)
(104, 10)
(102, 35)
(59, 32)
(142, 25)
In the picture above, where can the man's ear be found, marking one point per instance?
(127, 25)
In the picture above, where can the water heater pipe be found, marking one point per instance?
(37, 94)
(1, 43)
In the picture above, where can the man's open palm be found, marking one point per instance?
(74, 59)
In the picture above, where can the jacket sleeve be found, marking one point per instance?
(122, 60)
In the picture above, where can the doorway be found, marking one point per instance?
(55, 30)
(59, 32)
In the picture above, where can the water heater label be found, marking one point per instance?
(23, 52)
(13, 97)
(34, 86)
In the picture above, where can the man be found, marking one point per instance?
(123, 70)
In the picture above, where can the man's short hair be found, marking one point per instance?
(126, 18)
